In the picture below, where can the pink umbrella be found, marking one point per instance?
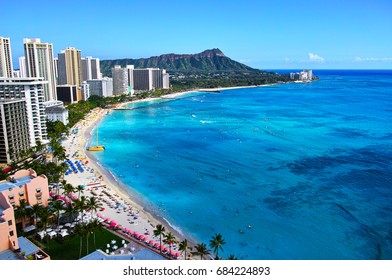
(156, 245)
(178, 254)
(130, 231)
(112, 224)
(136, 234)
(119, 226)
(151, 242)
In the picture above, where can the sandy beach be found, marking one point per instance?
(117, 203)
(99, 182)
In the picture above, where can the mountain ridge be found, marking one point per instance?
(210, 60)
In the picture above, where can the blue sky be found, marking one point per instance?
(274, 34)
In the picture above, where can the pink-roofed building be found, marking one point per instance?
(8, 236)
(23, 185)
(26, 185)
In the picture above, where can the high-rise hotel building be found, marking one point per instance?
(90, 68)
(14, 129)
(5, 58)
(40, 63)
(31, 90)
(70, 69)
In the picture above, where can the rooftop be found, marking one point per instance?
(27, 246)
(143, 254)
(5, 185)
(8, 255)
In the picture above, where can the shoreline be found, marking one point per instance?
(184, 93)
(148, 219)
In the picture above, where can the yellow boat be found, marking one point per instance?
(96, 147)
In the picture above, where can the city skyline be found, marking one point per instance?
(265, 35)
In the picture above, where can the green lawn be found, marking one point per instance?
(68, 248)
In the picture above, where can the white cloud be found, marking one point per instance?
(315, 57)
(360, 59)
(244, 60)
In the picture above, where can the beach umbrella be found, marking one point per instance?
(112, 224)
(156, 245)
(119, 226)
(178, 254)
(151, 242)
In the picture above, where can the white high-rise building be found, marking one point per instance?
(32, 91)
(22, 67)
(5, 58)
(40, 63)
(120, 80)
(90, 68)
(101, 87)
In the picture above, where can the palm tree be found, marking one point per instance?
(21, 212)
(80, 230)
(183, 246)
(94, 226)
(68, 188)
(81, 205)
(201, 250)
(45, 214)
(79, 188)
(216, 244)
(70, 211)
(35, 212)
(93, 204)
(57, 206)
(159, 231)
(169, 239)
(232, 257)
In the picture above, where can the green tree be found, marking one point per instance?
(232, 257)
(183, 246)
(81, 231)
(21, 212)
(159, 231)
(170, 239)
(93, 204)
(57, 206)
(201, 250)
(79, 188)
(216, 244)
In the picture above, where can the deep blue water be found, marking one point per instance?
(291, 171)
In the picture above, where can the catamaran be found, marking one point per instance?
(96, 147)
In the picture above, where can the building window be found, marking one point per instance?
(38, 190)
(10, 222)
(11, 233)
(21, 193)
(11, 196)
(39, 197)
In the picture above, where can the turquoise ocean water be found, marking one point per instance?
(291, 171)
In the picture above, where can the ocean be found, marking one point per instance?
(288, 171)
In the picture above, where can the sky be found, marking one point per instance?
(273, 34)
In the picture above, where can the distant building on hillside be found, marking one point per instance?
(305, 75)
(126, 80)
